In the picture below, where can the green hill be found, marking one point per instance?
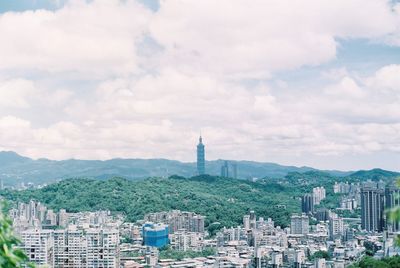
(374, 174)
(221, 200)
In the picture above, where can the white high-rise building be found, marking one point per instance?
(37, 245)
(89, 248)
(69, 249)
(336, 228)
(102, 248)
(246, 222)
(319, 194)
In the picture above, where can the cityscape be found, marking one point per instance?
(199, 134)
(316, 236)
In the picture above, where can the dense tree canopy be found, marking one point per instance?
(370, 262)
(221, 200)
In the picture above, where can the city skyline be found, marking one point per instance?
(283, 82)
(188, 134)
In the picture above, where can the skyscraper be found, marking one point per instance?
(201, 157)
(307, 203)
(225, 170)
(372, 207)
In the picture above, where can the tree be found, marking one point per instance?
(10, 255)
(320, 255)
(394, 214)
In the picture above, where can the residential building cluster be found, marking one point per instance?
(178, 220)
(61, 239)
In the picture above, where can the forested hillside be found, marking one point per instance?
(221, 200)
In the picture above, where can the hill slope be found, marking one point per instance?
(221, 200)
(374, 174)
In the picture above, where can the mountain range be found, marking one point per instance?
(15, 169)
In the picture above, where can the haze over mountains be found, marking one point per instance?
(15, 169)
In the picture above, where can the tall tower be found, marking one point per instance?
(200, 158)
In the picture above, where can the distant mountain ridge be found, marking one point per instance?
(15, 169)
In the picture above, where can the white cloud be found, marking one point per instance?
(87, 37)
(11, 122)
(15, 93)
(238, 38)
(386, 78)
(346, 88)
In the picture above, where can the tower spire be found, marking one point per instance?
(200, 157)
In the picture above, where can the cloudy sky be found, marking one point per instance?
(298, 82)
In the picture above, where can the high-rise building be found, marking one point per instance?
(234, 171)
(307, 203)
(225, 170)
(322, 214)
(319, 194)
(70, 248)
(392, 200)
(253, 220)
(372, 208)
(201, 169)
(37, 245)
(336, 229)
(93, 247)
(102, 248)
(246, 222)
(299, 224)
(196, 224)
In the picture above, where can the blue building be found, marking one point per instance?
(155, 235)
(201, 169)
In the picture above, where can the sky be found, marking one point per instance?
(305, 82)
